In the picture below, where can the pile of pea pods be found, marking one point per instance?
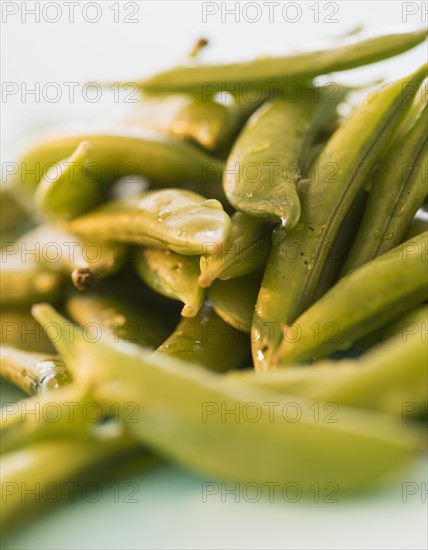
(189, 272)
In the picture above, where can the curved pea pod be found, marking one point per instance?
(265, 71)
(124, 320)
(245, 251)
(397, 193)
(120, 150)
(391, 377)
(359, 303)
(32, 372)
(298, 257)
(234, 300)
(20, 331)
(210, 123)
(207, 340)
(418, 225)
(180, 220)
(172, 275)
(56, 249)
(184, 413)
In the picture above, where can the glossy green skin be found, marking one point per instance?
(399, 189)
(298, 257)
(246, 250)
(207, 340)
(234, 300)
(361, 302)
(355, 452)
(386, 378)
(32, 372)
(418, 225)
(122, 319)
(121, 150)
(172, 275)
(267, 71)
(180, 220)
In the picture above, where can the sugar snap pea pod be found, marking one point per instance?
(234, 300)
(19, 330)
(267, 71)
(69, 464)
(398, 191)
(207, 340)
(172, 275)
(180, 415)
(360, 303)
(123, 319)
(13, 214)
(118, 151)
(418, 225)
(391, 377)
(180, 220)
(298, 257)
(32, 372)
(246, 250)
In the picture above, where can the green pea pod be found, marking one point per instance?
(32, 372)
(210, 123)
(207, 340)
(418, 225)
(234, 300)
(172, 275)
(13, 215)
(397, 193)
(185, 413)
(65, 463)
(298, 257)
(19, 330)
(267, 71)
(361, 302)
(58, 250)
(262, 170)
(391, 377)
(123, 319)
(120, 151)
(245, 251)
(180, 220)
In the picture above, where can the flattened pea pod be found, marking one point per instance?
(350, 53)
(391, 377)
(358, 303)
(298, 256)
(399, 189)
(124, 320)
(245, 250)
(32, 372)
(181, 415)
(207, 340)
(180, 220)
(120, 150)
(174, 276)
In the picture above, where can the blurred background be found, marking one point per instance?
(55, 59)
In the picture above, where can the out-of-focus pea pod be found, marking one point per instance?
(211, 123)
(180, 220)
(58, 250)
(234, 300)
(123, 319)
(391, 377)
(13, 214)
(359, 304)
(246, 250)
(66, 463)
(120, 151)
(207, 340)
(418, 225)
(399, 189)
(184, 413)
(19, 330)
(267, 71)
(266, 161)
(172, 275)
(298, 257)
(32, 372)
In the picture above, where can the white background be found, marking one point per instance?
(170, 512)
